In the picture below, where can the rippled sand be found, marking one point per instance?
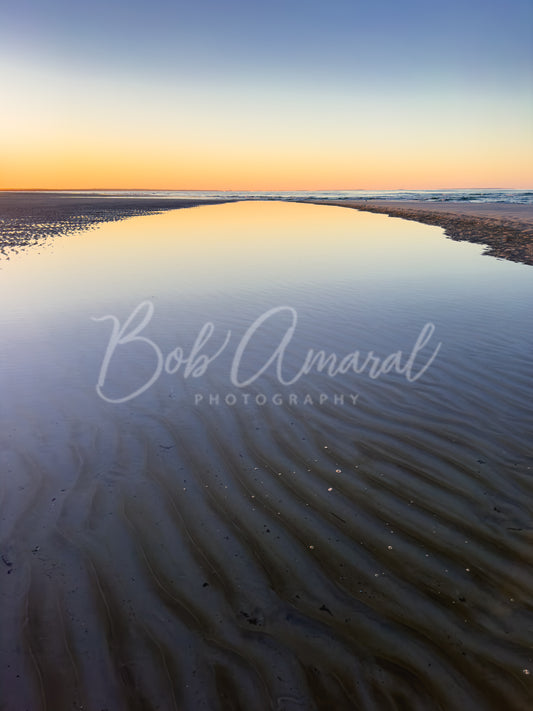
(172, 553)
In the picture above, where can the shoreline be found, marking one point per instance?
(505, 229)
(27, 218)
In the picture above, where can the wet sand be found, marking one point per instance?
(506, 230)
(170, 554)
(31, 217)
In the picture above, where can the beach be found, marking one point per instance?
(505, 229)
(261, 455)
(29, 217)
(266, 374)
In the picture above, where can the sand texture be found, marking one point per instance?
(30, 217)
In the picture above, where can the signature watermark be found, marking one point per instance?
(242, 373)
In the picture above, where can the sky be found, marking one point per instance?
(281, 95)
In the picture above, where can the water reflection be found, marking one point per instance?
(240, 247)
(323, 551)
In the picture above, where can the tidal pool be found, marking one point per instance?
(265, 455)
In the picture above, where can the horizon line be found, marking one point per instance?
(252, 190)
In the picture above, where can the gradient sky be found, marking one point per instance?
(291, 94)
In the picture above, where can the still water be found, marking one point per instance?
(265, 455)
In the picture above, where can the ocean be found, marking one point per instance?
(523, 197)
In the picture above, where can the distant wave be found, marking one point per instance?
(524, 197)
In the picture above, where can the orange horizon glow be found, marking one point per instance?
(241, 168)
(295, 176)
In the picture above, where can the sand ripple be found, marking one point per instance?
(259, 558)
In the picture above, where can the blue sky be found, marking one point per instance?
(278, 62)
(485, 39)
